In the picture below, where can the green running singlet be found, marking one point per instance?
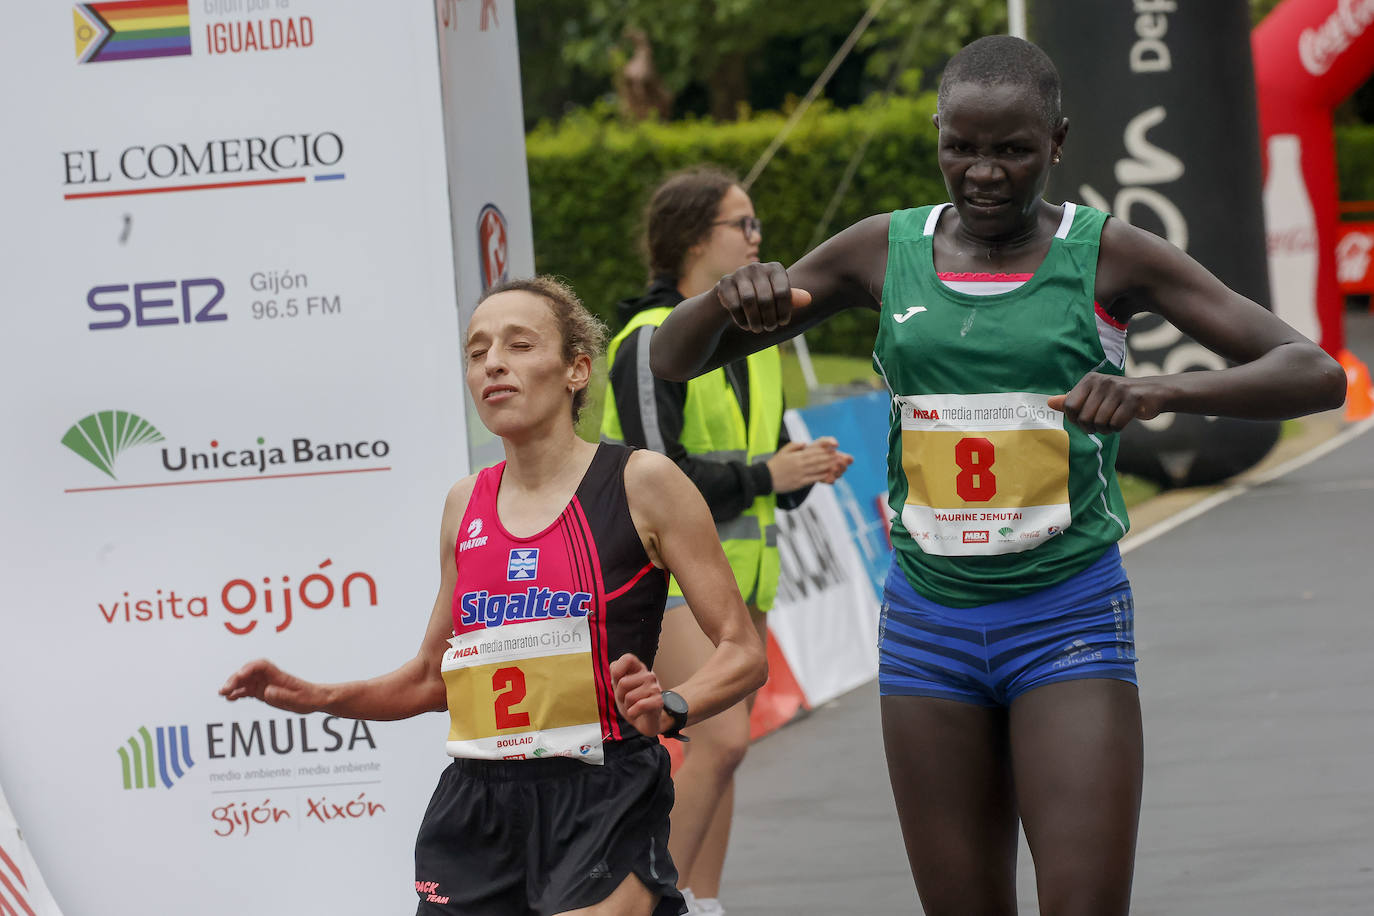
(996, 495)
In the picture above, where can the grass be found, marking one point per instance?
(831, 370)
(1136, 490)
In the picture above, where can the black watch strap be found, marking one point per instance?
(676, 707)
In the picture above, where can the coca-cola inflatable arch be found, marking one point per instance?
(1166, 134)
(1310, 55)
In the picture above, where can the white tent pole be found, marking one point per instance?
(804, 358)
(1016, 17)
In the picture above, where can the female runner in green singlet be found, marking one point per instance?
(1064, 757)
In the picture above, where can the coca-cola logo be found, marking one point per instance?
(1293, 240)
(1353, 256)
(1319, 47)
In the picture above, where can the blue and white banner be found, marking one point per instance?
(860, 424)
(826, 616)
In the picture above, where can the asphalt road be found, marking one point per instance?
(1255, 628)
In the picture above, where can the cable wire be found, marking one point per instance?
(814, 91)
(823, 226)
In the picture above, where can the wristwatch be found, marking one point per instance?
(676, 707)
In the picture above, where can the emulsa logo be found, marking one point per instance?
(275, 773)
(291, 772)
(102, 440)
(162, 756)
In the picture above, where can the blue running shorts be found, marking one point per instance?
(1083, 627)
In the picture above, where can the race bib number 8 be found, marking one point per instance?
(522, 691)
(986, 474)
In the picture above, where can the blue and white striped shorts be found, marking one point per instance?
(1083, 627)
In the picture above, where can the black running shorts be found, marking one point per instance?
(539, 837)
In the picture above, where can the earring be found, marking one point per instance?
(1054, 161)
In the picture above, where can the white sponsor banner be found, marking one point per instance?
(488, 189)
(233, 350)
(826, 616)
(21, 886)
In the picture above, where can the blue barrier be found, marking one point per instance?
(860, 425)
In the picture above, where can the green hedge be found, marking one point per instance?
(591, 175)
(1355, 161)
(590, 179)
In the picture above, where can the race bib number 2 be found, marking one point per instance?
(986, 474)
(523, 691)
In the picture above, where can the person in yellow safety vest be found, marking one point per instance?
(725, 431)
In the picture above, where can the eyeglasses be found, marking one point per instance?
(751, 226)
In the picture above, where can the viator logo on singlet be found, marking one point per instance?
(475, 537)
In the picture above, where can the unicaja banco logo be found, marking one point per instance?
(173, 757)
(101, 437)
(131, 30)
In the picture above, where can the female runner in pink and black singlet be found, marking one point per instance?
(554, 568)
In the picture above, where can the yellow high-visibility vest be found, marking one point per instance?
(713, 429)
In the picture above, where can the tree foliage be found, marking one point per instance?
(1261, 8)
(590, 178)
(721, 57)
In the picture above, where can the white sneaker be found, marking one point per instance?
(709, 906)
(691, 900)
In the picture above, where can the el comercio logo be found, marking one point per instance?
(168, 166)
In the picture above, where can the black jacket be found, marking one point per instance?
(729, 487)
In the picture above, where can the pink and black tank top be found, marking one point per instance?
(538, 620)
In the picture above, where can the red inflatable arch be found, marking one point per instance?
(1309, 56)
